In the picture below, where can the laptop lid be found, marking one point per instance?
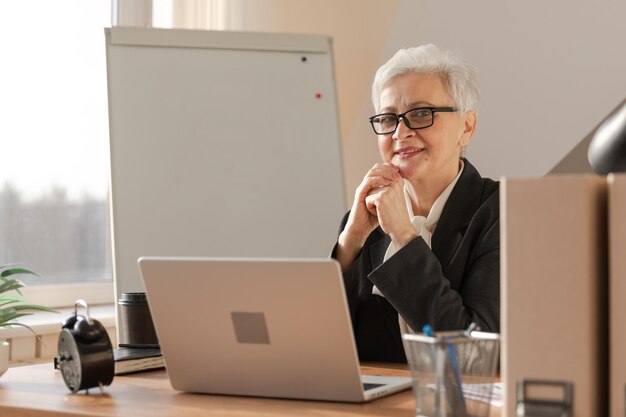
(259, 327)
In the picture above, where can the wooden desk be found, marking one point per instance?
(39, 390)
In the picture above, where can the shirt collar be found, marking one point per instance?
(430, 222)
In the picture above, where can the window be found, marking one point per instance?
(54, 148)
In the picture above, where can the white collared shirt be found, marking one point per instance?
(424, 226)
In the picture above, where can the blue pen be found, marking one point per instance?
(452, 380)
(428, 331)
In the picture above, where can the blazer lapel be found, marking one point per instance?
(456, 215)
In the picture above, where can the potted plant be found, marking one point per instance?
(13, 306)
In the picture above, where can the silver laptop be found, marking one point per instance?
(258, 327)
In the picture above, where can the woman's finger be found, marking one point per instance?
(371, 201)
(385, 170)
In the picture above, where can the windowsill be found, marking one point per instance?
(66, 294)
(47, 323)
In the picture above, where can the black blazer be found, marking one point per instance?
(456, 283)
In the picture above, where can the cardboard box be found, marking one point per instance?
(554, 289)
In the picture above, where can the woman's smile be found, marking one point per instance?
(407, 152)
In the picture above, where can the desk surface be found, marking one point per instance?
(38, 390)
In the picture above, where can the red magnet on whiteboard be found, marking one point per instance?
(318, 95)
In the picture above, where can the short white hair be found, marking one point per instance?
(458, 77)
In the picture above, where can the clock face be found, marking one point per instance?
(70, 361)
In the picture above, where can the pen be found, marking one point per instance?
(456, 397)
(449, 372)
(428, 331)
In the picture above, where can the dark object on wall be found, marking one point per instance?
(85, 352)
(607, 150)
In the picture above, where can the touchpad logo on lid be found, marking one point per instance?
(250, 327)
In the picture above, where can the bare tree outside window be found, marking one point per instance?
(61, 239)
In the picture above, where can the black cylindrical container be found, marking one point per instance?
(137, 328)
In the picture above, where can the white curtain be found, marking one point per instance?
(180, 14)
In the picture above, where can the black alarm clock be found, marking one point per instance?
(85, 352)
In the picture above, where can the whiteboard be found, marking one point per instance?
(222, 144)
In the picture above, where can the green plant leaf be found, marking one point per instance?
(11, 285)
(9, 299)
(7, 316)
(34, 307)
(15, 271)
(12, 306)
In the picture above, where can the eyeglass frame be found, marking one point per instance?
(398, 116)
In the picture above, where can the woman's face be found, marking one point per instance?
(430, 153)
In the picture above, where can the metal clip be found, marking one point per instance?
(84, 304)
(543, 407)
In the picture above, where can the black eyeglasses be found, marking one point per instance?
(418, 118)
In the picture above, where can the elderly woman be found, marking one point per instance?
(421, 242)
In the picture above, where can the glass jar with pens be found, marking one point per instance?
(454, 373)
